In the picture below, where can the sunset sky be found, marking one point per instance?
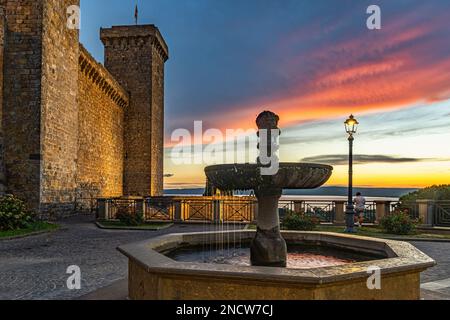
(313, 63)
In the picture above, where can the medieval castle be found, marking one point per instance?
(69, 125)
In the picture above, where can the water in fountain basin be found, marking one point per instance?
(299, 256)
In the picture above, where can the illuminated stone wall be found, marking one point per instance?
(135, 55)
(101, 110)
(59, 109)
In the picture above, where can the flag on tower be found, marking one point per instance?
(136, 14)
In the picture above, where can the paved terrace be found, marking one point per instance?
(35, 267)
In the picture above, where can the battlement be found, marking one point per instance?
(101, 77)
(141, 35)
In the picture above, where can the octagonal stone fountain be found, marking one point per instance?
(269, 263)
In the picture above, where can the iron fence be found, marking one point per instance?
(370, 212)
(442, 213)
(410, 207)
(197, 210)
(243, 209)
(237, 210)
(325, 211)
(159, 208)
(120, 206)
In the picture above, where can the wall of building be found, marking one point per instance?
(2, 48)
(40, 113)
(59, 108)
(100, 130)
(132, 55)
(22, 74)
(157, 118)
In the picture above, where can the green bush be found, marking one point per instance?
(294, 221)
(398, 223)
(441, 192)
(14, 214)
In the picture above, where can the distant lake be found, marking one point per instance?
(329, 193)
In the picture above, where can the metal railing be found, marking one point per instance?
(187, 209)
(442, 213)
(237, 211)
(159, 208)
(198, 209)
(244, 209)
(411, 208)
(370, 212)
(323, 210)
(120, 206)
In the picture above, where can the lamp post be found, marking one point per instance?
(351, 126)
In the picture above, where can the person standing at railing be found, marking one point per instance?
(360, 207)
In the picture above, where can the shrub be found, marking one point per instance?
(293, 221)
(14, 214)
(441, 192)
(128, 218)
(398, 223)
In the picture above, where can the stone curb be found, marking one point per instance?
(100, 226)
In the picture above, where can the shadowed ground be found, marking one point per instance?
(35, 267)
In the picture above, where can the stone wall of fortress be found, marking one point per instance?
(22, 75)
(102, 102)
(2, 50)
(135, 55)
(70, 127)
(59, 108)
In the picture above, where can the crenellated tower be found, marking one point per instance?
(135, 56)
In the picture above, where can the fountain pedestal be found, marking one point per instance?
(268, 248)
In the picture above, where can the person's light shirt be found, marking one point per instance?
(360, 202)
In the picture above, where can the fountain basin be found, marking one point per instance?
(304, 256)
(155, 276)
(248, 176)
(268, 247)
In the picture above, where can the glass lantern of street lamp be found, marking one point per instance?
(351, 125)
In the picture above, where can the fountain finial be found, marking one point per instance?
(267, 120)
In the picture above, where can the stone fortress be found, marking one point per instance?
(70, 127)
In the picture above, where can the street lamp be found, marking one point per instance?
(351, 126)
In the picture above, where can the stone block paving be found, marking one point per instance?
(440, 274)
(35, 267)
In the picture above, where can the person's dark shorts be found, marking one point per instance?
(359, 212)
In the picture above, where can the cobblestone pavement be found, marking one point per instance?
(35, 267)
(439, 251)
